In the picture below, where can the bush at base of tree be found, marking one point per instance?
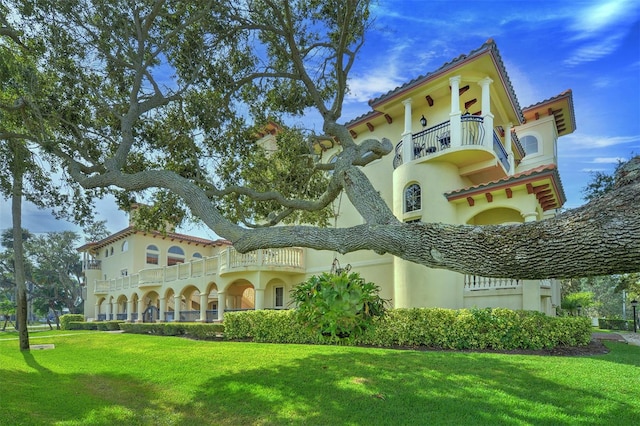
(498, 329)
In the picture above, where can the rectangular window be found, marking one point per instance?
(124, 273)
(279, 297)
(152, 259)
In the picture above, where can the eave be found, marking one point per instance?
(544, 182)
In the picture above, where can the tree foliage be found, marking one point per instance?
(162, 100)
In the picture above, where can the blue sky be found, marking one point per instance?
(590, 47)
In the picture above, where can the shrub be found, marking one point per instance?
(194, 330)
(497, 329)
(68, 318)
(615, 324)
(340, 305)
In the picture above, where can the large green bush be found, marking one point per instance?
(498, 329)
(341, 305)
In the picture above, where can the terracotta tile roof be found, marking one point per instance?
(488, 47)
(130, 230)
(544, 171)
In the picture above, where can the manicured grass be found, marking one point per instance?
(98, 378)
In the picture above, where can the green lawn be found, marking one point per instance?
(97, 378)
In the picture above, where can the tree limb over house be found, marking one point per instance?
(120, 122)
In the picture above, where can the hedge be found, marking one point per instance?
(615, 324)
(498, 329)
(100, 325)
(203, 331)
(66, 319)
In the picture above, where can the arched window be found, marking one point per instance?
(175, 255)
(153, 254)
(530, 144)
(197, 255)
(412, 198)
(125, 245)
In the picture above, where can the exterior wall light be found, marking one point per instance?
(634, 303)
(423, 121)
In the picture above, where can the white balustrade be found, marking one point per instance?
(287, 257)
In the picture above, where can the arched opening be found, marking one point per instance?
(496, 216)
(212, 302)
(121, 308)
(151, 311)
(240, 296)
(169, 313)
(190, 304)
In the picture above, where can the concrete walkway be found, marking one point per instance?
(622, 336)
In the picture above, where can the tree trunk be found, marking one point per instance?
(18, 252)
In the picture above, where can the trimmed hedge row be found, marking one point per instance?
(202, 331)
(498, 329)
(615, 324)
(100, 326)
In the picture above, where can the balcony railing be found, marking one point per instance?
(475, 282)
(500, 151)
(438, 138)
(227, 261)
(91, 264)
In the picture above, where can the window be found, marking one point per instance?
(125, 246)
(530, 144)
(106, 253)
(279, 297)
(111, 251)
(152, 254)
(412, 198)
(124, 273)
(175, 255)
(197, 255)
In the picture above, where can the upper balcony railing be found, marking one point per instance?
(438, 139)
(229, 260)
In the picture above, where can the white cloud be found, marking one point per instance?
(608, 160)
(596, 50)
(587, 142)
(601, 17)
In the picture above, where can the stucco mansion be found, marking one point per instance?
(465, 153)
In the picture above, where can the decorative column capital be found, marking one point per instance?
(407, 101)
(455, 79)
(485, 82)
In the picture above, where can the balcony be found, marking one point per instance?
(288, 259)
(469, 153)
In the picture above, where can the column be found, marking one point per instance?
(176, 308)
(110, 311)
(140, 311)
(531, 295)
(97, 311)
(530, 216)
(509, 149)
(454, 116)
(204, 298)
(407, 142)
(222, 301)
(259, 302)
(129, 309)
(163, 308)
(485, 83)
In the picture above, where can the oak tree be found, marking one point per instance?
(168, 98)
